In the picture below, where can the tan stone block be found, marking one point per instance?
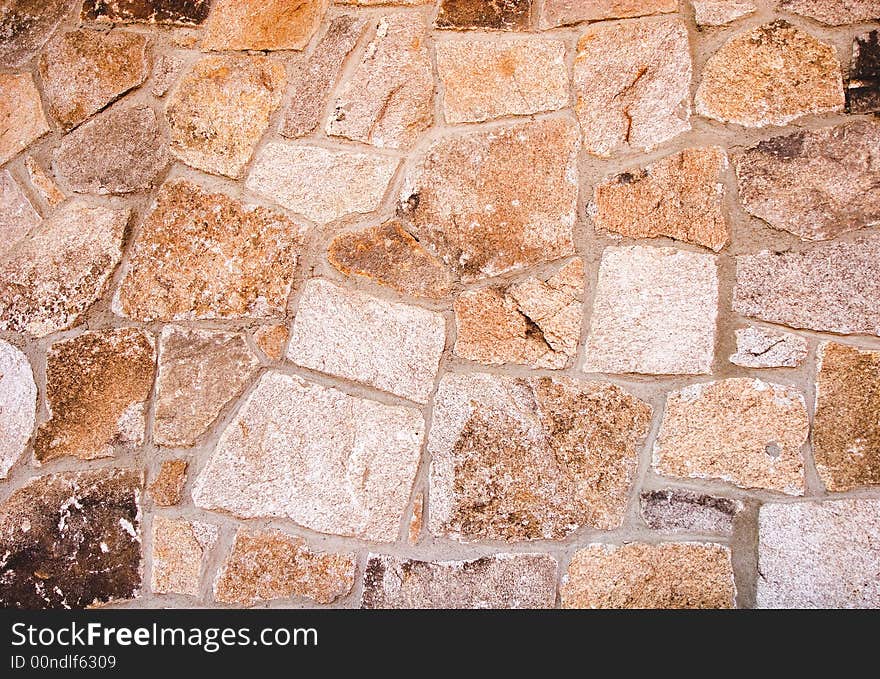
(25, 25)
(272, 339)
(22, 120)
(262, 24)
(17, 215)
(179, 551)
(762, 348)
(743, 431)
(167, 488)
(721, 12)
(834, 12)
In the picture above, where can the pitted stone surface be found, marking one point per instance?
(22, 120)
(18, 404)
(173, 12)
(17, 215)
(761, 348)
(566, 12)
(684, 511)
(179, 551)
(25, 25)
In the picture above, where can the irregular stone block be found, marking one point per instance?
(71, 540)
(314, 77)
(390, 256)
(638, 575)
(654, 312)
(515, 459)
(499, 15)
(220, 110)
(819, 554)
(320, 184)
(179, 551)
(389, 99)
(266, 565)
(721, 12)
(863, 88)
(535, 322)
(834, 12)
(680, 196)
(743, 431)
(329, 461)
(761, 348)
(17, 216)
(684, 511)
(22, 120)
(205, 255)
(632, 84)
(166, 70)
(499, 581)
(846, 427)
(25, 26)
(565, 12)
(48, 280)
(485, 79)
(816, 184)
(167, 487)
(262, 24)
(43, 183)
(97, 385)
(120, 151)
(771, 75)
(496, 201)
(389, 346)
(272, 339)
(200, 371)
(174, 12)
(18, 405)
(83, 71)
(834, 287)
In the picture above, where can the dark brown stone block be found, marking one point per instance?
(25, 25)
(863, 90)
(500, 15)
(71, 540)
(178, 12)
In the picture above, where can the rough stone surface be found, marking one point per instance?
(179, 550)
(220, 109)
(499, 581)
(390, 256)
(638, 575)
(389, 99)
(205, 255)
(389, 346)
(18, 403)
(632, 84)
(200, 371)
(761, 348)
(834, 287)
(834, 12)
(720, 12)
(71, 540)
(167, 488)
(266, 565)
(17, 216)
(22, 120)
(496, 201)
(654, 312)
(819, 555)
(483, 80)
(846, 427)
(414, 532)
(272, 339)
(43, 183)
(97, 385)
(743, 431)
(816, 184)
(685, 511)
(680, 196)
(771, 75)
(313, 78)
(175, 12)
(566, 12)
(863, 88)
(166, 70)
(329, 461)
(120, 151)
(499, 15)
(83, 71)
(320, 184)
(262, 24)
(535, 322)
(515, 459)
(25, 25)
(49, 279)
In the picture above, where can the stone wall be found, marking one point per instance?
(401, 303)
